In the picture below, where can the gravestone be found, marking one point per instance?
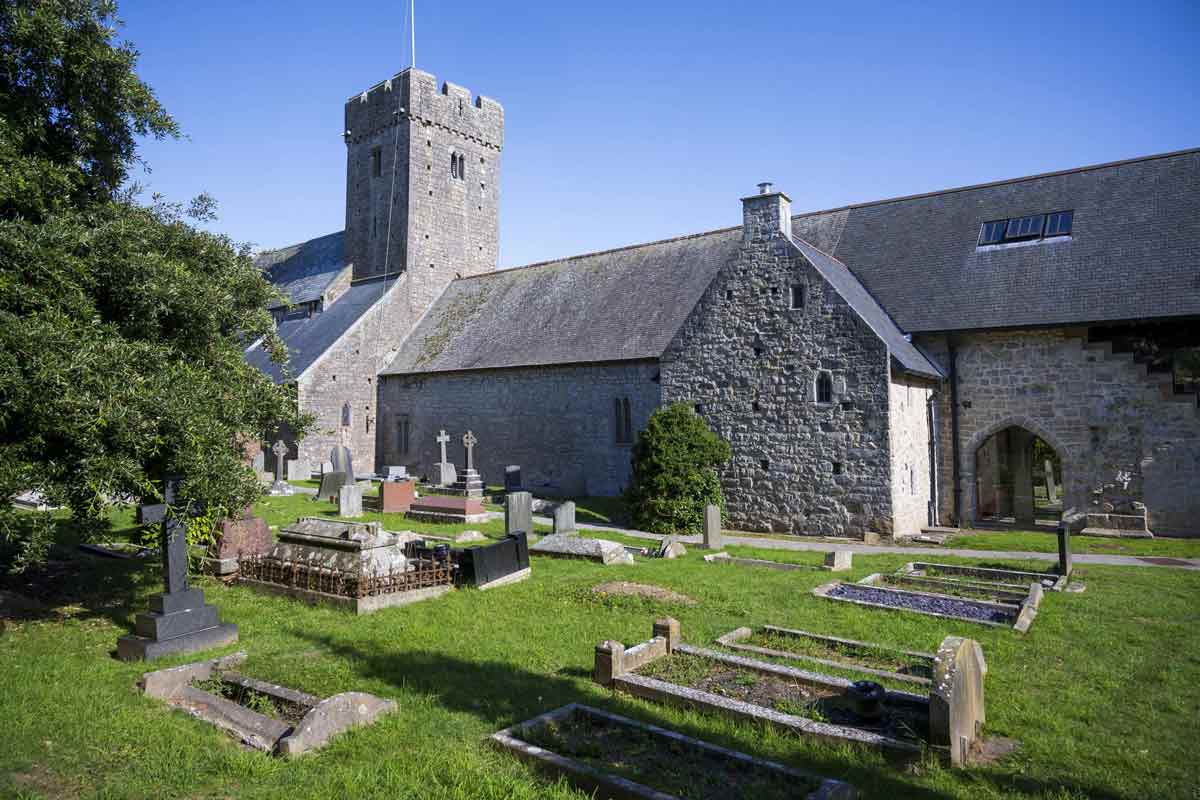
(469, 483)
(179, 621)
(245, 535)
(342, 461)
(396, 497)
(602, 550)
(397, 473)
(956, 700)
(444, 474)
(298, 469)
(350, 499)
(712, 528)
(280, 487)
(1051, 492)
(671, 547)
(260, 461)
(326, 466)
(512, 478)
(838, 560)
(564, 518)
(1064, 550)
(518, 513)
(331, 484)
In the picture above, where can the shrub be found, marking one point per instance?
(674, 472)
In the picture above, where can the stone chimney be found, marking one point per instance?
(766, 214)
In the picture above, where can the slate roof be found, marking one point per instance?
(1134, 251)
(617, 305)
(303, 271)
(308, 337)
(843, 281)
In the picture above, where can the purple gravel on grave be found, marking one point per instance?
(914, 602)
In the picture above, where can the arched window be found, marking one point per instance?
(346, 415)
(824, 389)
(628, 420)
(622, 421)
(462, 167)
(453, 165)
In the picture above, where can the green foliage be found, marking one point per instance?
(122, 327)
(674, 472)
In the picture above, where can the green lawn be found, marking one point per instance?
(1103, 692)
(1047, 542)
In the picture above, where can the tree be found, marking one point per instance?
(122, 327)
(674, 471)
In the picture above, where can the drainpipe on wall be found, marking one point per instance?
(931, 421)
(954, 454)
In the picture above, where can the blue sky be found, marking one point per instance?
(628, 122)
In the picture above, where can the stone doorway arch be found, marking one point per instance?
(1017, 476)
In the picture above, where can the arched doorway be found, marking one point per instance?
(1018, 480)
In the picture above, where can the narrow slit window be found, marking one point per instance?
(628, 420)
(376, 162)
(403, 431)
(347, 415)
(824, 390)
(453, 165)
(796, 298)
(623, 421)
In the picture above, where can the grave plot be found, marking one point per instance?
(872, 659)
(968, 590)
(1011, 578)
(264, 716)
(869, 592)
(610, 756)
(665, 670)
(725, 558)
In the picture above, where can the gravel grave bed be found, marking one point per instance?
(908, 723)
(949, 606)
(661, 763)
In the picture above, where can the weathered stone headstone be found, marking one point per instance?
(518, 512)
(956, 701)
(564, 518)
(512, 478)
(397, 473)
(838, 560)
(445, 474)
(260, 461)
(1051, 492)
(671, 547)
(469, 442)
(298, 469)
(342, 461)
(602, 550)
(281, 486)
(246, 535)
(712, 528)
(326, 466)
(331, 484)
(179, 621)
(350, 500)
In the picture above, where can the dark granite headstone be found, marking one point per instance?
(342, 461)
(1064, 550)
(512, 478)
(179, 621)
(331, 485)
(479, 566)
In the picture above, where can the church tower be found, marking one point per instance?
(422, 184)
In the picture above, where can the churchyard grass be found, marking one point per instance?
(1102, 693)
(1047, 542)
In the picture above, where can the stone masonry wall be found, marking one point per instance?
(1109, 422)
(750, 364)
(909, 436)
(347, 372)
(556, 422)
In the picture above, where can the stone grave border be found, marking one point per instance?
(1051, 581)
(324, 719)
(602, 784)
(615, 667)
(725, 558)
(733, 640)
(1003, 593)
(1021, 615)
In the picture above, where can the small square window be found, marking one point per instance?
(729, 294)
(992, 232)
(765, 464)
(1059, 223)
(796, 298)
(1025, 227)
(837, 468)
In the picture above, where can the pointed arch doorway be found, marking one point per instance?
(1018, 480)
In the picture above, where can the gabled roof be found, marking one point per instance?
(1134, 251)
(858, 298)
(612, 306)
(304, 271)
(308, 337)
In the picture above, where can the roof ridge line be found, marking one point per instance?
(622, 248)
(1002, 182)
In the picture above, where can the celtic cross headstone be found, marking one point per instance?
(469, 442)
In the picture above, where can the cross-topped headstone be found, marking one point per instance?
(280, 450)
(178, 621)
(443, 439)
(469, 442)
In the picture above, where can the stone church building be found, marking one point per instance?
(884, 366)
